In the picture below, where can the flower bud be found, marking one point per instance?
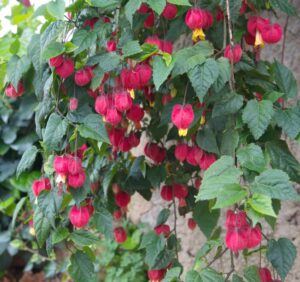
(39, 185)
(56, 61)
(166, 193)
(120, 235)
(234, 53)
(84, 76)
(181, 151)
(191, 224)
(11, 92)
(163, 229)
(79, 217)
(182, 118)
(122, 199)
(170, 11)
(76, 180)
(65, 69)
(123, 101)
(73, 104)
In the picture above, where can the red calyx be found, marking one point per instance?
(111, 46)
(182, 117)
(166, 46)
(236, 240)
(265, 275)
(123, 101)
(256, 23)
(181, 151)
(198, 183)
(122, 199)
(79, 217)
(144, 9)
(166, 193)
(180, 191)
(195, 18)
(73, 104)
(117, 215)
(236, 219)
(207, 160)
(84, 76)
(113, 116)
(191, 224)
(90, 22)
(74, 165)
(120, 235)
(254, 238)
(39, 185)
(76, 180)
(102, 103)
(155, 152)
(60, 164)
(134, 140)
(166, 99)
(163, 229)
(66, 68)
(135, 113)
(156, 275)
(115, 136)
(150, 20)
(56, 61)
(219, 14)
(170, 11)
(272, 33)
(194, 155)
(11, 92)
(234, 53)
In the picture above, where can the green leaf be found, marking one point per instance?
(59, 235)
(284, 6)
(160, 71)
(81, 268)
(251, 157)
(224, 74)
(282, 255)
(229, 195)
(273, 96)
(193, 276)
(187, 58)
(163, 217)
(49, 203)
(131, 48)
(53, 49)
(285, 80)
(55, 131)
(103, 3)
(282, 158)
(276, 184)
(157, 5)
(107, 62)
(210, 275)
(230, 103)
(84, 39)
(172, 274)
(42, 226)
(56, 9)
(207, 141)
(219, 174)
(16, 68)
(257, 115)
(180, 2)
(236, 278)
(94, 128)
(230, 141)
(289, 121)
(17, 209)
(84, 238)
(130, 8)
(104, 222)
(27, 160)
(251, 274)
(203, 76)
(262, 204)
(206, 219)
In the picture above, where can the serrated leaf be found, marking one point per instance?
(203, 76)
(81, 268)
(224, 74)
(251, 157)
(42, 226)
(84, 238)
(131, 48)
(284, 6)
(59, 235)
(84, 39)
(230, 103)
(282, 158)
(55, 131)
(130, 8)
(53, 49)
(276, 184)
(193, 276)
(104, 222)
(56, 9)
(229, 195)
(94, 128)
(180, 2)
(103, 3)
(285, 80)
(157, 5)
(172, 274)
(257, 115)
(251, 274)
(210, 275)
(206, 219)
(160, 71)
(273, 96)
(236, 278)
(16, 68)
(282, 255)
(207, 141)
(27, 160)
(262, 204)
(230, 141)
(289, 121)
(219, 174)
(163, 216)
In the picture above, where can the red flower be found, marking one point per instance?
(120, 235)
(198, 183)
(39, 185)
(192, 223)
(254, 238)
(60, 164)
(144, 74)
(236, 219)
(117, 215)
(124, 145)
(272, 33)
(144, 9)
(163, 229)
(182, 117)
(234, 53)
(219, 14)
(84, 76)
(122, 199)
(255, 27)
(76, 180)
(11, 92)
(155, 152)
(56, 61)
(73, 104)
(265, 275)
(236, 240)
(90, 22)
(180, 191)
(89, 205)
(166, 46)
(66, 68)
(115, 136)
(156, 275)
(26, 3)
(150, 20)
(134, 140)
(181, 151)
(170, 11)
(154, 40)
(79, 217)
(113, 116)
(194, 155)
(111, 46)
(123, 101)
(166, 193)
(101, 104)
(166, 99)
(74, 165)
(207, 160)
(135, 113)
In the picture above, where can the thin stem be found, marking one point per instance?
(43, 258)
(175, 224)
(232, 266)
(217, 257)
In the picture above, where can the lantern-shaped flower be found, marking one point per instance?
(79, 217)
(182, 117)
(272, 33)
(234, 53)
(120, 235)
(255, 27)
(83, 76)
(170, 11)
(65, 69)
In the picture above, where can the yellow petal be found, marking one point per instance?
(132, 93)
(31, 231)
(173, 92)
(182, 132)
(152, 103)
(198, 34)
(259, 42)
(104, 119)
(202, 120)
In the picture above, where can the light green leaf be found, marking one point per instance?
(163, 216)
(53, 49)
(131, 48)
(210, 275)
(203, 76)
(257, 115)
(251, 157)
(84, 238)
(276, 184)
(251, 274)
(130, 8)
(84, 39)
(56, 9)
(157, 5)
(55, 130)
(16, 68)
(193, 276)
(180, 2)
(262, 204)
(104, 222)
(172, 274)
(103, 3)
(160, 71)
(282, 255)
(229, 195)
(219, 174)
(27, 160)
(273, 96)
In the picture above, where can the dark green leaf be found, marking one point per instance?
(210, 275)
(180, 2)
(42, 226)
(160, 71)
(16, 68)
(230, 141)
(59, 235)
(230, 103)
(224, 74)
(157, 5)
(284, 6)
(130, 8)
(251, 274)
(53, 49)
(84, 39)
(163, 217)
(104, 222)
(27, 160)
(84, 238)
(131, 48)
(207, 141)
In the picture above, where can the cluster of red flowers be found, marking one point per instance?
(194, 156)
(240, 234)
